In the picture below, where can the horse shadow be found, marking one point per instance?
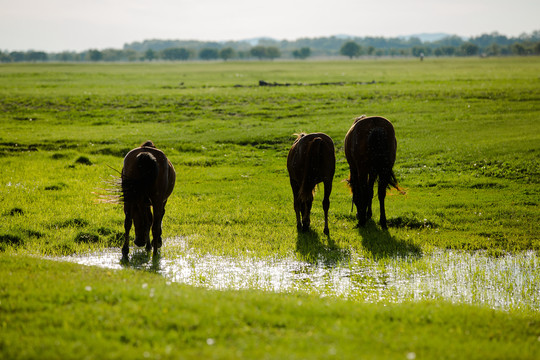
(143, 260)
(315, 250)
(382, 245)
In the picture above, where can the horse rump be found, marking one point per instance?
(137, 185)
(312, 171)
(380, 158)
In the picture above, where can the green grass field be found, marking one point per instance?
(468, 135)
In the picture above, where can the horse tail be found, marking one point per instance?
(138, 186)
(380, 157)
(312, 170)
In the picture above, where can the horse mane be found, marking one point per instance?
(357, 119)
(148, 143)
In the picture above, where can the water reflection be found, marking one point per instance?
(507, 282)
(142, 259)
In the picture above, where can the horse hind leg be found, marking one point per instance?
(326, 205)
(306, 221)
(369, 195)
(159, 212)
(382, 195)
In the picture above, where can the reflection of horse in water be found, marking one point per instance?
(148, 179)
(311, 160)
(370, 148)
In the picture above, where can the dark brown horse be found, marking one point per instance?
(370, 148)
(311, 160)
(148, 179)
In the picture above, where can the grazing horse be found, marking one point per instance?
(148, 179)
(311, 160)
(370, 149)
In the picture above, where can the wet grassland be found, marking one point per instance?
(468, 135)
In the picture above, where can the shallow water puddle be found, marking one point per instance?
(507, 282)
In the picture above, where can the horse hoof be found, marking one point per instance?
(156, 244)
(139, 242)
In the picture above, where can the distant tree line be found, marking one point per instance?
(493, 44)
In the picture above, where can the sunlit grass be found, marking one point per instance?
(468, 149)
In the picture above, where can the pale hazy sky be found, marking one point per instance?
(57, 25)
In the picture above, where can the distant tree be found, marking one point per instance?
(227, 53)
(175, 54)
(67, 56)
(519, 49)
(258, 52)
(4, 57)
(34, 56)
(370, 50)
(536, 48)
(112, 55)
(16, 56)
(350, 49)
(94, 55)
(209, 54)
(493, 50)
(469, 49)
(302, 53)
(150, 55)
(273, 52)
(448, 50)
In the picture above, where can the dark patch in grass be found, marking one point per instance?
(496, 236)
(262, 143)
(383, 245)
(13, 240)
(86, 237)
(58, 156)
(114, 237)
(55, 187)
(528, 203)
(313, 250)
(119, 152)
(487, 185)
(33, 233)
(11, 147)
(15, 212)
(75, 222)
(410, 222)
(201, 162)
(83, 160)
(25, 118)
(457, 206)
